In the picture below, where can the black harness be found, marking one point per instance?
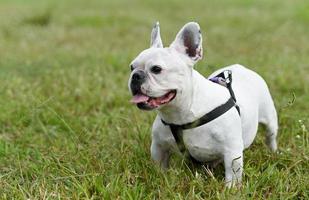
(225, 79)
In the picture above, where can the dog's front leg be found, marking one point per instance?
(160, 155)
(162, 141)
(233, 163)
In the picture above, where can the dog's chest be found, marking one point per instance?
(203, 144)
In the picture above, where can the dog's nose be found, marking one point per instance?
(139, 76)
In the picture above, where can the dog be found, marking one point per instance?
(163, 78)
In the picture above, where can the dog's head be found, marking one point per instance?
(161, 75)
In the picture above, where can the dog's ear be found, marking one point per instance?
(189, 41)
(155, 40)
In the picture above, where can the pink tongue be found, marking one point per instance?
(139, 98)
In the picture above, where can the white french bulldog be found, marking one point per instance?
(164, 79)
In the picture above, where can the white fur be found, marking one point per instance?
(224, 138)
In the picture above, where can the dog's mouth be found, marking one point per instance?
(148, 103)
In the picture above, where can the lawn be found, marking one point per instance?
(68, 131)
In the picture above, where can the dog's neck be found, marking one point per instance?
(199, 97)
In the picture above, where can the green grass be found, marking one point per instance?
(68, 131)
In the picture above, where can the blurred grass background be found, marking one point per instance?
(67, 129)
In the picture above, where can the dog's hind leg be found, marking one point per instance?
(268, 117)
(271, 133)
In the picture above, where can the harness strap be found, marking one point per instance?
(225, 79)
(213, 114)
(229, 87)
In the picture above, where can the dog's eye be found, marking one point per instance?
(156, 69)
(132, 68)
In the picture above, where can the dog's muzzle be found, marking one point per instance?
(138, 78)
